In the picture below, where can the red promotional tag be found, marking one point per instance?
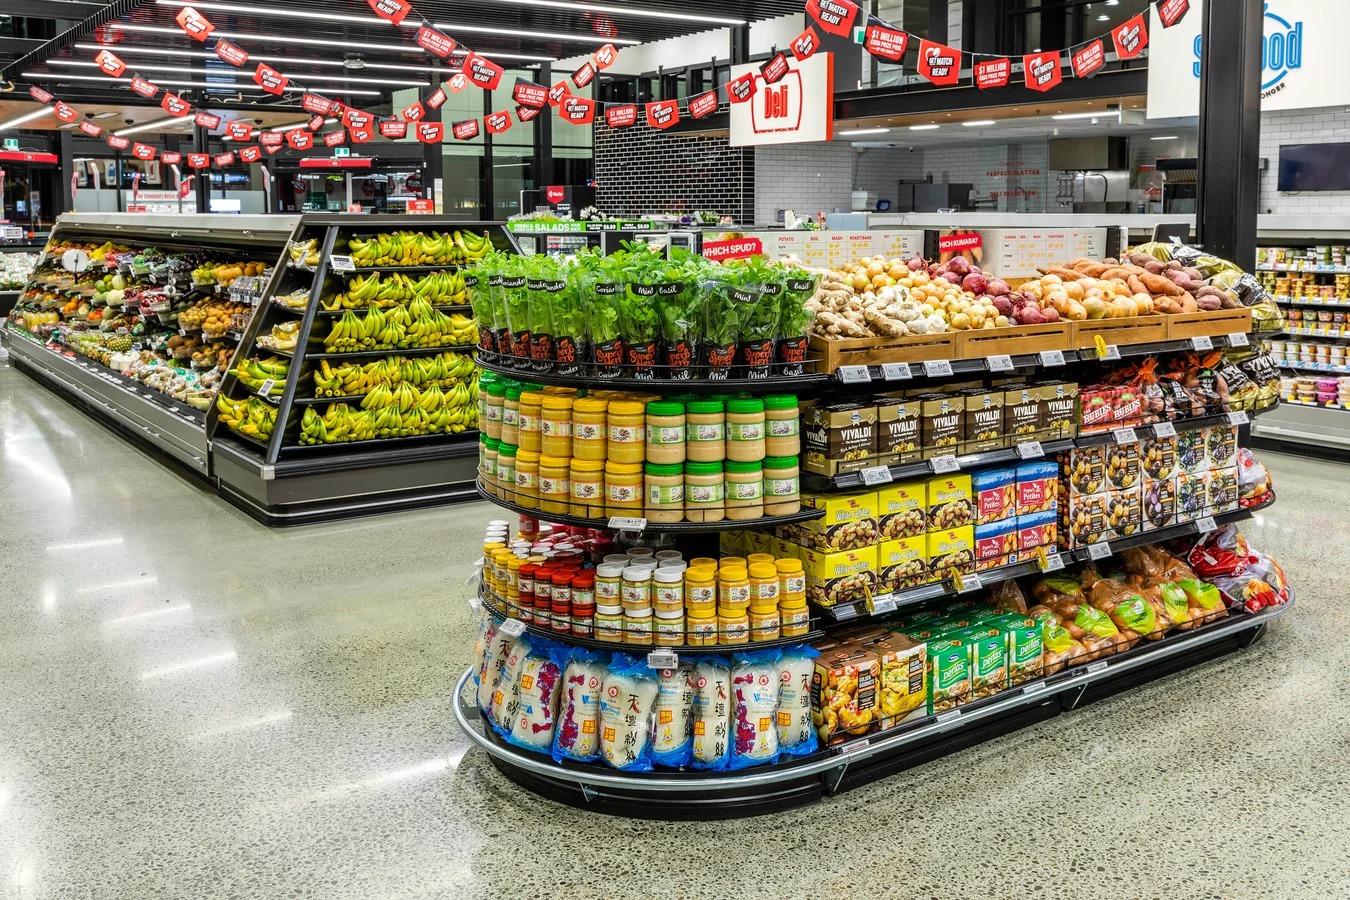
(1172, 11)
(391, 10)
(194, 23)
(663, 113)
(118, 143)
(605, 56)
(527, 93)
(65, 113)
(939, 63)
(175, 105)
(740, 248)
(466, 130)
(185, 187)
(740, 89)
(527, 113)
(230, 53)
(299, 139)
(206, 120)
(557, 93)
(1041, 71)
(497, 122)
(1087, 60)
(585, 75)
(250, 154)
(198, 160)
(806, 44)
(40, 95)
(458, 82)
(223, 160)
(110, 64)
(142, 151)
(90, 129)
(993, 73)
(577, 111)
(355, 118)
(888, 43)
(271, 138)
(360, 135)
(271, 151)
(315, 123)
(482, 71)
(431, 132)
(238, 131)
(170, 159)
(835, 16)
(626, 115)
(436, 99)
(269, 79)
(143, 87)
(432, 40)
(704, 104)
(1130, 37)
(315, 104)
(415, 113)
(335, 139)
(955, 243)
(393, 128)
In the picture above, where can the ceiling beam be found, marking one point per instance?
(71, 10)
(85, 29)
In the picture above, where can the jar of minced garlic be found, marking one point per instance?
(782, 426)
(705, 430)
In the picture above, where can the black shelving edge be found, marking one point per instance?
(320, 401)
(805, 515)
(313, 459)
(1314, 371)
(407, 351)
(1163, 535)
(793, 383)
(396, 270)
(338, 313)
(467, 437)
(288, 309)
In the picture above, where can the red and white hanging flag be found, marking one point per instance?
(993, 73)
(198, 160)
(939, 63)
(175, 105)
(391, 10)
(1170, 12)
(414, 113)
(558, 92)
(250, 154)
(464, 131)
(482, 71)
(269, 79)
(773, 71)
(704, 105)
(431, 132)
(233, 55)
(430, 39)
(624, 115)
(577, 111)
(171, 158)
(65, 112)
(194, 23)
(1042, 71)
(206, 120)
(527, 114)
(835, 16)
(1130, 37)
(271, 138)
(356, 118)
(300, 139)
(436, 99)
(527, 93)
(223, 160)
(584, 75)
(393, 128)
(236, 130)
(1086, 60)
(806, 44)
(741, 89)
(185, 186)
(886, 42)
(458, 82)
(663, 113)
(313, 103)
(118, 143)
(40, 95)
(110, 64)
(605, 56)
(497, 122)
(142, 151)
(360, 135)
(90, 129)
(335, 139)
(140, 86)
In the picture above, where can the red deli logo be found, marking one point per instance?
(626, 115)
(741, 248)
(109, 64)
(271, 138)
(198, 160)
(740, 89)
(956, 242)
(170, 159)
(578, 111)
(554, 194)
(223, 159)
(663, 113)
(118, 143)
(482, 72)
(465, 131)
(527, 93)
(436, 99)
(40, 95)
(250, 154)
(206, 120)
(335, 139)
(143, 87)
(230, 53)
(355, 118)
(700, 107)
(315, 104)
(939, 63)
(527, 113)
(557, 93)
(584, 75)
(835, 16)
(888, 43)
(194, 23)
(458, 82)
(1088, 60)
(175, 105)
(1041, 71)
(1130, 37)
(1172, 11)
(806, 44)
(497, 122)
(431, 132)
(299, 139)
(774, 70)
(90, 129)
(605, 56)
(392, 128)
(64, 112)
(269, 79)
(238, 131)
(779, 107)
(415, 113)
(432, 40)
(391, 10)
(993, 73)
(142, 151)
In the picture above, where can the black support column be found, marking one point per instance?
(488, 204)
(543, 133)
(201, 140)
(433, 155)
(1230, 130)
(65, 150)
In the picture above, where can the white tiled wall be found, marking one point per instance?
(806, 178)
(1309, 126)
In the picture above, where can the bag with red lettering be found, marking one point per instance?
(627, 699)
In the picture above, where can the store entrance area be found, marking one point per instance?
(195, 705)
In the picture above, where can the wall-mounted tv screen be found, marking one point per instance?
(1314, 167)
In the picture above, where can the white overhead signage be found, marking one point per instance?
(798, 108)
(1303, 65)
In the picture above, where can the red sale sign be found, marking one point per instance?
(527, 93)
(605, 56)
(1130, 37)
(175, 105)
(432, 132)
(740, 248)
(90, 129)
(415, 113)
(1170, 12)
(194, 23)
(888, 43)
(465, 131)
(300, 139)
(170, 159)
(835, 16)
(238, 131)
(436, 99)
(527, 113)
(223, 160)
(391, 10)
(335, 139)
(432, 40)
(482, 71)
(393, 128)
(1041, 71)
(355, 118)
(230, 53)
(198, 160)
(250, 154)
(625, 115)
(110, 64)
(1087, 60)
(939, 63)
(360, 135)
(497, 122)
(558, 92)
(40, 95)
(993, 73)
(741, 89)
(584, 75)
(663, 113)
(64, 112)
(577, 111)
(700, 107)
(143, 87)
(142, 151)
(269, 79)
(206, 120)
(271, 138)
(118, 143)
(315, 104)
(458, 82)
(806, 44)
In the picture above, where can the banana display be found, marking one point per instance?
(408, 248)
(402, 411)
(353, 379)
(251, 416)
(254, 373)
(305, 253)
(401, 327)
(363, 292)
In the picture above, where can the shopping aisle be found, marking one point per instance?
(192, 705)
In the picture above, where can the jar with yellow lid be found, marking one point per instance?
(745, 490)
(732, 562)
(765, 625)
(763, 587)
(530, 405)
(704, 492)
(506, 472)
(589, 423)
(782, 426)
(705, 430)
(745, 430)
(555, 485)
(665, 432)
(627, 435)
(527, 479)
(753, 558)
(700, 589)
(733, 588)
(511, 415)
(555, 425)
(588, 488)
(700, 630)
(782, 486)
(623, 489)
(664, 493)
(702, 562)
(791, 579)
(733, 627)
(795, 618)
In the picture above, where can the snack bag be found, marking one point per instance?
(754, 694)
(1205, 601)
(487, 631)
(627, 697)
(577, 735)
(1253, 480)
(673, 740)
(506, 694)
(537, 698)
(712, 714)
(494, 657)
(796, 734)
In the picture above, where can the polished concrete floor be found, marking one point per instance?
(194, 706)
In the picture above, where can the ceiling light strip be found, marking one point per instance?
(219, 85)
(288, 39)
(232, 72)
(633, 11)
(26, 117)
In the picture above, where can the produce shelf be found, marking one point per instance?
(1314, 370)
(408, 351)
(797, 383)
(1337, 303)
(1295, 267)
(402, 270)
(805, 515)
(338, 313)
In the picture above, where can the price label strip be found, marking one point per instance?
(938, 368)
(1202, 342)
(1100, 550)
(623, 523)
(1125, 436)
(1238, 340)
(265, 389)
(1106, 351)
(1165, 430)
(854, 374)
(512, 628)
(662, 659)
(1050, 358)
(1030, 450)
(1206, 525)
(896, 372)
(964, 584)
(1049, 562)
(944, 465)
(1238, 418)
(881, 604)
(1002, 363)
(341, 264)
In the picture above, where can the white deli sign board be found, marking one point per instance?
(798, 109)
(1303, 63)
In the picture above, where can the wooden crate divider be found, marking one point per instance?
(878, 350)
(1184, 326)
(1020, 339)
(1137, 330)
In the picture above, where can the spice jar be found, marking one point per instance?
(589, 436)
(637, 588)
(665, 432)
(587, 477)
(511, 415)
(733, 589)
(782, 486)
(496, 399)
(745, 490)
(489, 468)
(555, 425)
(608, 623)
(700, 631)
(733, 627)
(583, 604)
(782, 426)
(669, 628)
(763, 587)
(754, 558)
(555, 485)
(745, 430)
(623, 489)
(764, 626)
(485, 382)
(703, 562)
(561, 605)
(700, 590)
(525, 582)
(668, 590)
(506, 472)
(608, 584)
(791, 580)
(704, 492)
(663, 555)
(794, 617)
(527, 479)
(627, 421)
(665, 493)
(637, 627)
(705, 430)
(529, 424)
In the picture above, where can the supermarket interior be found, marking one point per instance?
(598, 430)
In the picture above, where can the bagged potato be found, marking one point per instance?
(577, 734)
(627, 697)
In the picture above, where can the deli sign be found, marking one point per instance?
(798, 108)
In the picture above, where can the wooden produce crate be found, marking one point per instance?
(878, 350)
(1019, 339)
(1137, 330)
(1212, 323)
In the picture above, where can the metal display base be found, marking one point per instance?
(1306, 430)
(701, 796)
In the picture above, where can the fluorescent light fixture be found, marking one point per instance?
(979, 123)
(1166, 137)
(923, 127)
(625, 11)
(862, 131)
(1103, 18)
(216, 85)
(542, 35)
(125, 51)
(232, 72)
(159, 124)
(1088, 115)
(314, 42)
(187, 665)
(26, 117)
(1112, 2)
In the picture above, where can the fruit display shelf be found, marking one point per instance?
(377, 354)
(1316, 268)
(1317, 302)
(512, 367)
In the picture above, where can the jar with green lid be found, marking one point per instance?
(782, 426)
(782, 486)
(704, 492)
(665, 493)
(745, 490)
(745, 430)
(665, 432)
(705, 430)
(506, 471)
(589, 436)
(530, 401)
(511, 415)
(527, 479)
(485, 381)
(496, 400)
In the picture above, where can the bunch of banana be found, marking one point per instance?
(304, 253)
(254, 373)
(399, 328)
(442, 289)
(407, 248)
(354, 380)
(385, 413)
(251, 417)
